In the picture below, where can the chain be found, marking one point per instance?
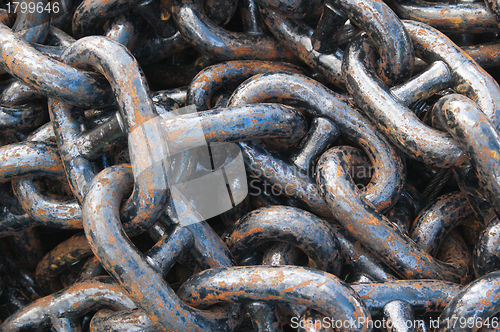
(253, 165)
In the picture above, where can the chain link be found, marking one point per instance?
(253, 165)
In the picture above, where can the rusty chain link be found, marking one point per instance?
(253, 165)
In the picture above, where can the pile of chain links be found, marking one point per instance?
(368, 137)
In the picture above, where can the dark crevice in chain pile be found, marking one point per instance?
(251, 165)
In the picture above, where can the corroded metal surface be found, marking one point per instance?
(342, 159)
